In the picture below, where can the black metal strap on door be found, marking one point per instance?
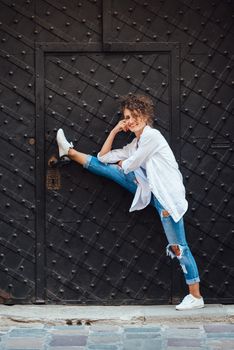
(40, 176)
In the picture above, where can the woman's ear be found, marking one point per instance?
(145, 119)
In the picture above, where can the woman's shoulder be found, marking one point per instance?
(153, 135)
(149, 131)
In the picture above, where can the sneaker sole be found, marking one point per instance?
(192, 308)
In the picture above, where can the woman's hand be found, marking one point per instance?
(121, 126)
(120, 163)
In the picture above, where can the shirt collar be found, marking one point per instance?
(147, 127)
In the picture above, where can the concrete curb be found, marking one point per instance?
(132, 314)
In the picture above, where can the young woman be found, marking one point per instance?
(147, 168)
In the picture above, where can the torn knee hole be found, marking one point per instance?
(165, 214)
(176, 250)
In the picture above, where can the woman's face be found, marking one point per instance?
(134, 123)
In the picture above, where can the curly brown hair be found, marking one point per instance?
(139, 105)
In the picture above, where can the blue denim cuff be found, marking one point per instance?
(88, 160)
(193, 280)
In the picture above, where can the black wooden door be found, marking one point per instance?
(96, 251)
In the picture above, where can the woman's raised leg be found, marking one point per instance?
(78, 157)
(92, 164)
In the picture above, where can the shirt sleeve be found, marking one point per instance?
(148, 145)
(115, 155)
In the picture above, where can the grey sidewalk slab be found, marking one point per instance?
(189, 336)
(73, 314)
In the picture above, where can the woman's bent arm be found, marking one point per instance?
(109, 141)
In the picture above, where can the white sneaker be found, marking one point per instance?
(190, 302)
(63, 144)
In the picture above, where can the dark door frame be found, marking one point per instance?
(41, 49)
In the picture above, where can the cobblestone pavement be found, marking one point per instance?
(210, 336)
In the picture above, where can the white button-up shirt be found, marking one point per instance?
(162, 176)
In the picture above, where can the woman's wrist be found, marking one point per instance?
(113, 132)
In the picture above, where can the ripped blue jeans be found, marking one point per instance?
(174, 231)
